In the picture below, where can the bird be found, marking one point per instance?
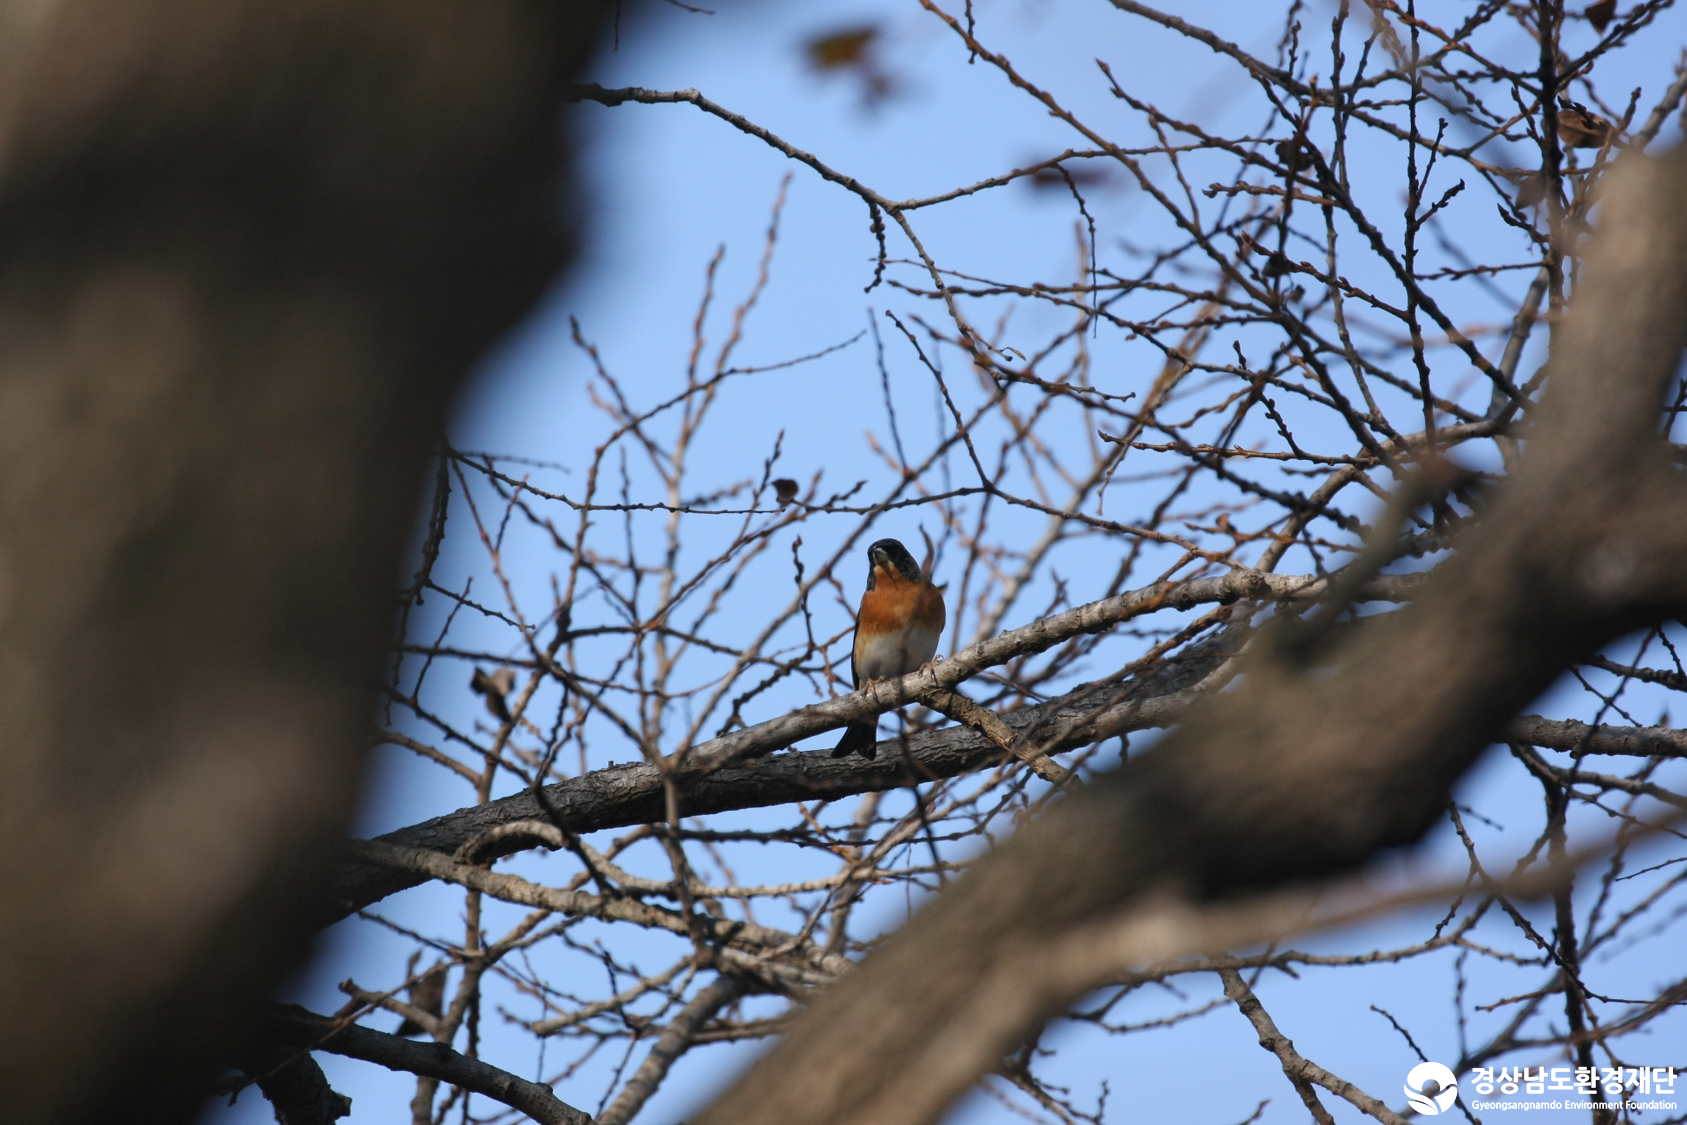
(896, 631)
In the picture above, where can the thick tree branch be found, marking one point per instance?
(621, 796)
(1568, 734)
(294, 1085)
(632, 794)
(302, 1029)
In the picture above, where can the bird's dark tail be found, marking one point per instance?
(859, 738)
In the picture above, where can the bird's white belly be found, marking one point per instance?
(881, 657)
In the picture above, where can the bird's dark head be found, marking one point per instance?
(892, 556)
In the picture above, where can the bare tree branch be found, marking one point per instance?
(305, 1030)
(512, 888)
(1269, 364)
(1266, 783)
(624, 795)
(1300, 1071)
(675, 1039)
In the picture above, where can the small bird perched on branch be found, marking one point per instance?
(896, 631)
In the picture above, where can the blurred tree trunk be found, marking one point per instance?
(247, 252)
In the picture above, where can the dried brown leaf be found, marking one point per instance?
(842, 49)
(1580, 127)
(1532, 190)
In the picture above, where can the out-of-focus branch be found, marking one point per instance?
(247, 253)
(294, 1085)
(305, 1030)
(1319, 758)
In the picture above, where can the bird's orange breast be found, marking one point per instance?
(895, 603)
(899, 626)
